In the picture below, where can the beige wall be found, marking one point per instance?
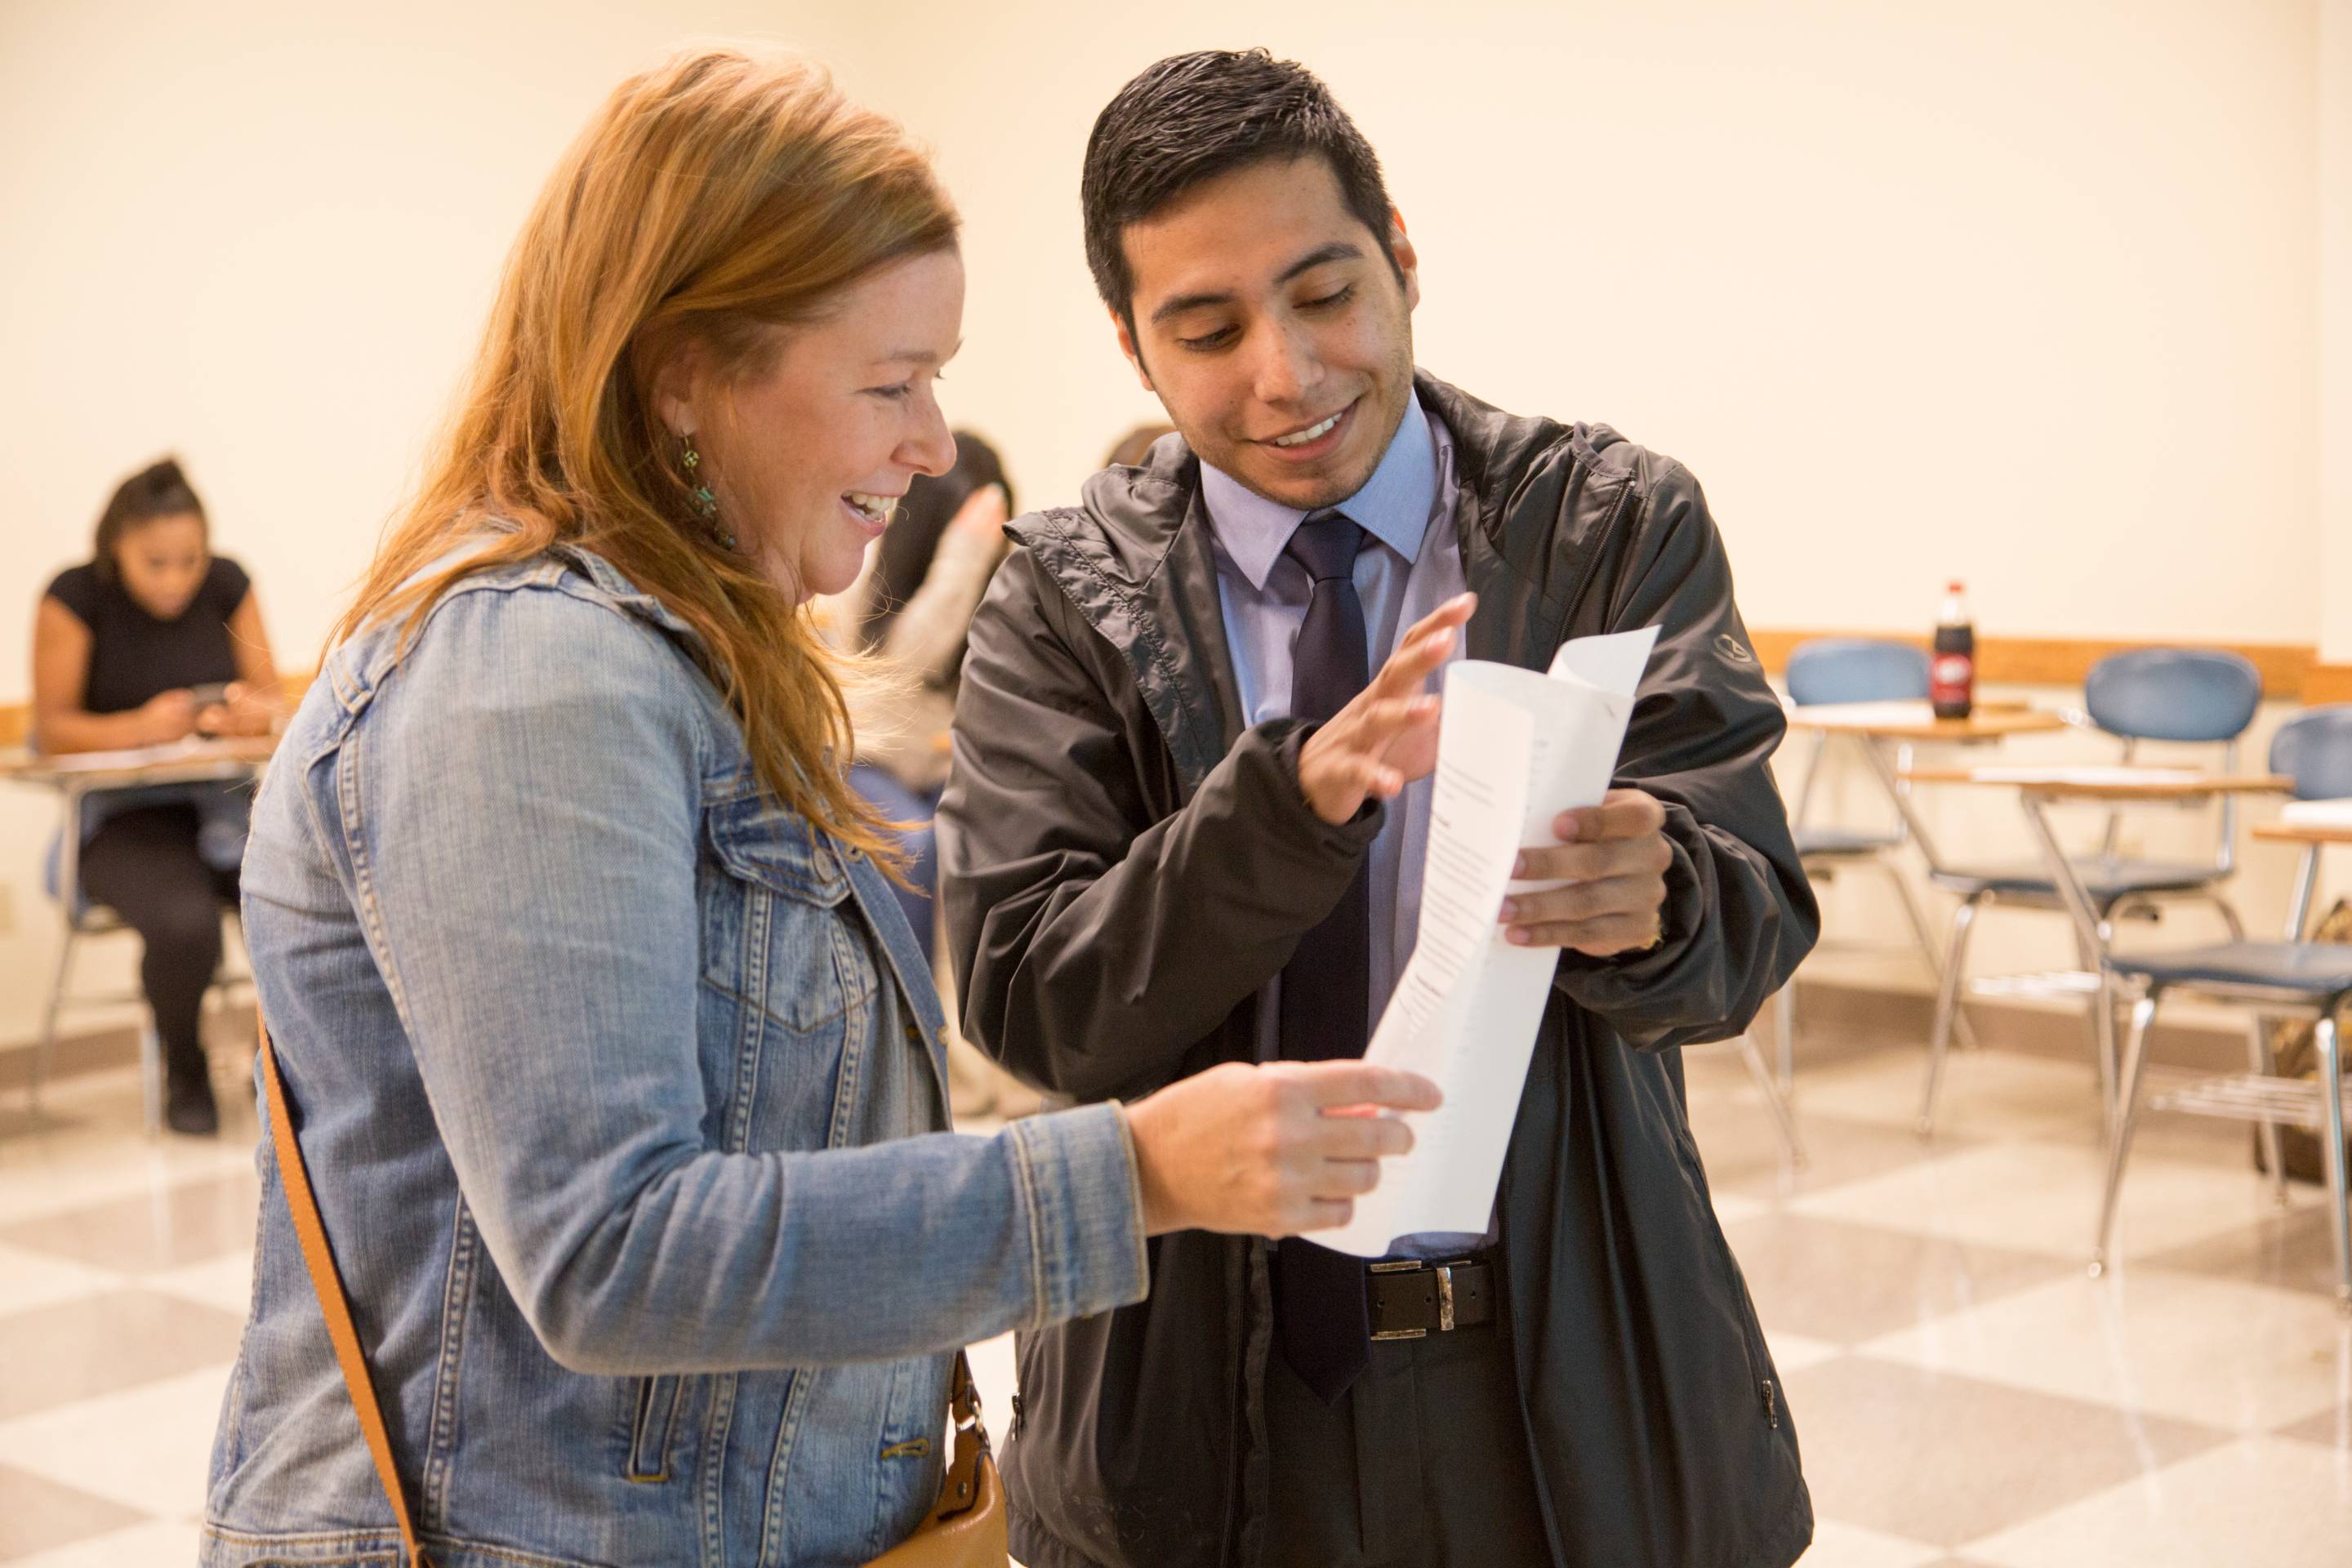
(2019, 292)
(264, 236)
(2335, 249)
(2027, 292)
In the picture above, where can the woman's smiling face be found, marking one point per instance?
(809, 457)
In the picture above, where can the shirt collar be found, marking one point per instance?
(1393, 506)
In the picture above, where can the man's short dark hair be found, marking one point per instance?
(1192, 118)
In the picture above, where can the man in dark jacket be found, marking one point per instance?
(1185, 825)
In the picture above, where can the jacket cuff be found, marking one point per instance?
(1349, 837)
(1084, 1202)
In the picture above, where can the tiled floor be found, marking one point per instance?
(1968, 1398)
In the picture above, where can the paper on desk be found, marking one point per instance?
(1514, 750)
(135, 757)
(2318, 813)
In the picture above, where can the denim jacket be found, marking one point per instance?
(623, 1094)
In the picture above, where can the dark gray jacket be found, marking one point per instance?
(1125, 867)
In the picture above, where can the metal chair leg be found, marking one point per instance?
(1918, 919)
(1948, 1002)
(2331, 1091)
(1784, 1033)
(2103, 1028)
(2228, 916)
(1783, 1118)
(2119, 1142)
(48, 1041)
(2260, 1058)
(150, 1077)
(2103, 1033)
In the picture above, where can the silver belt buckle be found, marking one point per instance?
(1444, 1273)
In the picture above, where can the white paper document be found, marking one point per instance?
(135, 757)
(1515, 749)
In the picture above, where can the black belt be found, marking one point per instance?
(1411, 1297)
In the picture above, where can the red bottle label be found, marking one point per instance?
(1951, 678)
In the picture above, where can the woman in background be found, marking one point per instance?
(912, 608)
(1132, 448)
(152, 640)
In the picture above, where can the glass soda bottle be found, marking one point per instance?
(1952, 672)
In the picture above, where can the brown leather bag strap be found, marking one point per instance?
(964, 1392)
(959, 1487)
(337, 1308)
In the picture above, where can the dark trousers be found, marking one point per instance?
(145, 867)
(1421, 1464)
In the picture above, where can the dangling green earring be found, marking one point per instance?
(706, 505)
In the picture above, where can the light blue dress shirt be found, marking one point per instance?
(1410, 564)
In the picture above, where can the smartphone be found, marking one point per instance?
(210, 695)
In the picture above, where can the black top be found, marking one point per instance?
(133, 657)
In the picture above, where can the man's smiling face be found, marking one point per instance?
(1274, 329)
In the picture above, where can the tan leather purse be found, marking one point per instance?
(966, 1530)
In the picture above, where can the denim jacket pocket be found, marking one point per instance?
(790, 980)
(760, 840)
(773, 925)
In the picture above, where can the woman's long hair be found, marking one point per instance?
(719, 194)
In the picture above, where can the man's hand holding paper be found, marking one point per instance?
(1518, 750)
(1611, 862)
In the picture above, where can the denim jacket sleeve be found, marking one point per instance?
(521, 809)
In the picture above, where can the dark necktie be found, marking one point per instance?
(1319, 1304)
